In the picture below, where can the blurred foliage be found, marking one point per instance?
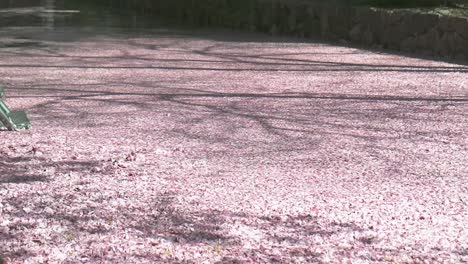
(457, 8)
(409, 3)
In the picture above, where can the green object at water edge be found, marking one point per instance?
(12, 120)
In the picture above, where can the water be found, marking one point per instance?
(53, 14)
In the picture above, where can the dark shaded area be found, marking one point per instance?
(209, 228)
(26, 164)
(15, 170)
(183, 228)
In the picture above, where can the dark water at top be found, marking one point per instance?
(70, 13)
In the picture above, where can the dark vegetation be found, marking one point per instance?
(409, 3)
(376, 3)
(442, 7)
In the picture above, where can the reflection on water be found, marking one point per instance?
(65, 13)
